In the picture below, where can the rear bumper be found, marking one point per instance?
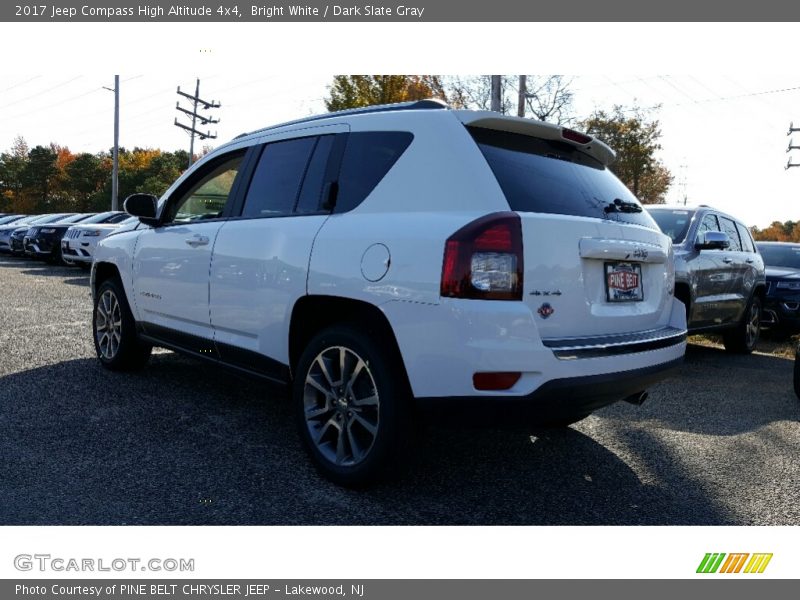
(556, 400)
(443, 346)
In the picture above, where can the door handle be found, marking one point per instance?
(749, 261)
(197, 240)
(727, 260)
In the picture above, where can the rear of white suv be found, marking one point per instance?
(393, 258)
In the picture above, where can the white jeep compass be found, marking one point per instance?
(382, 261)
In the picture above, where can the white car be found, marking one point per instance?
(79, 242)
(383, 260)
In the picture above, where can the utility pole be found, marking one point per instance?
(789, 163)
(196, 100)
(523, 95)
(115, 168)
(497, 84)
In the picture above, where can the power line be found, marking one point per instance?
(195, 116)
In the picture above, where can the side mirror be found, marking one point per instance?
(143, 206)
(712, 240)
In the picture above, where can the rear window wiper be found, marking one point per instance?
(619, 205)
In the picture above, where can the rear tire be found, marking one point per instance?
(350, 405)
(116, 342)
(743, 339)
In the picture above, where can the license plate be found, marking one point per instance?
(624, 282)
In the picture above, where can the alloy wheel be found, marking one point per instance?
(341, 406)
(108, 325)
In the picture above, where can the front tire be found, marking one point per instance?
(350, 406)
(743, 339)
(115, 339)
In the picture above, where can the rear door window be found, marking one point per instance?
(747, 241)
(275, 186)
(548, 176)
(311, 193)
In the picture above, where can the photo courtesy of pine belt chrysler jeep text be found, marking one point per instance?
(387, 262)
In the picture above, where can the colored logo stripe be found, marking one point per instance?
(758, 563)
(710, 563)
(733, 564)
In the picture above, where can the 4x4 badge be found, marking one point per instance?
(545, 310)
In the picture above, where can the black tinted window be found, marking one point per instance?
(729, 227)
(277, 178)
(548, 176)
(744, 235)
(367, 158)
(309, 200)
(780, 256)
(674, 223)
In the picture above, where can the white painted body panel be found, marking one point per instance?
(171, 276)
(444, 345)
(258, 272)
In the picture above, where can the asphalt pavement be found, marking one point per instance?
(184, 443)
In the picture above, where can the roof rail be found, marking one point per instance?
(430, 103)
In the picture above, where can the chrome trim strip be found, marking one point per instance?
(600, 346)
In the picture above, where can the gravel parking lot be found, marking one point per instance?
(181, 443)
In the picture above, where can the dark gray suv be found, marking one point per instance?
(719, 274)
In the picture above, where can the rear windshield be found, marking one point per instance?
(547, 176)
(780, 256)
(674, 223)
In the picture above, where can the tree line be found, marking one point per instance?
(53, 179)
(788, 231)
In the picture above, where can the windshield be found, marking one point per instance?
(9, 219)
(548, 176)
(780, 255)
(674, 223)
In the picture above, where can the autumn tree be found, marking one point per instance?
(788, 231)
(53, 179)
(634, 137)
(356, 91)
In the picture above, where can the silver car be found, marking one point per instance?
(719, 273)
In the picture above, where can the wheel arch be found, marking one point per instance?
(311, 314)
(104, 271)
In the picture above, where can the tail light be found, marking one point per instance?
(483, 259)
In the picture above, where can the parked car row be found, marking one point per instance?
(43, 236)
